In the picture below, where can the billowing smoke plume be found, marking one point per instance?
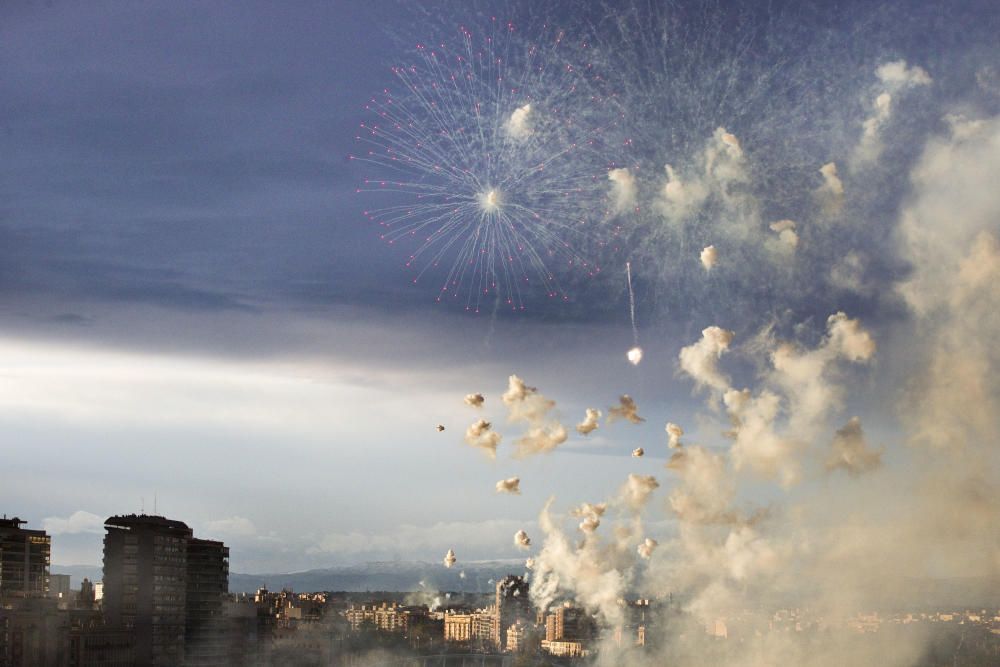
(449, 558)
(475, 400)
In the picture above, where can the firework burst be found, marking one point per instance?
(489, 162)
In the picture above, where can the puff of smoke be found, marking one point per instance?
(590, 421)
(850, 450)
(680, 199)
(709, 257)
(830, 194)
(590, 515)
(529, 563)
(634, 355)
(700, 359)
(521, 540)
(623, 190)
(895, 77)
(636, 491)
(787, 235)
(626, 409)
(450, 559)
(674, 433)
(509, 485)
(518, 126)
(646, 548)
(540, 440)
(524, 403)
(638, 452)
(481, 434)
(475, 400)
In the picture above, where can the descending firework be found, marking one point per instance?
(634, 355)
(488, 162)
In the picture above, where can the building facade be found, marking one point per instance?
(24, 560)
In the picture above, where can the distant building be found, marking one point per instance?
(24, 560)
(59, 586)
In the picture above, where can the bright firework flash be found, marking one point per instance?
(493, 164)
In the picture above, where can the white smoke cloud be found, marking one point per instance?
(519, 125)
(525, 403)
(481, 434)
(788, 238)
(830, 194)
(591, 515)
(700, 360)
(626, 409)
(541, 439)
(674, 433)
(895, 77)
(521, 540)
(709, 257)
(646, 548)
(624, 190)
(510, 485)
(638, 452)
(475, 400)
(636, 490)
(590, 421)
(720, 167)
(679, 199)
(450, 559)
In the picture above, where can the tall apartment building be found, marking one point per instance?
(167, 589)
(512, 605)
(206, 633)
(24, 560)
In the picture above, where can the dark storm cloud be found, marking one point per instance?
(191, 157)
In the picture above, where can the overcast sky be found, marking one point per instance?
(193, 306)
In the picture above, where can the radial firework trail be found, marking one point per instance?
(493, 167)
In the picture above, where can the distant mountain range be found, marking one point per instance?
(479, 576)
(471, 577)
